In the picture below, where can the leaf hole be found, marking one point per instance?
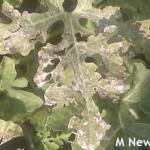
(72, 137)
(56, 61)
(50, 67)
(60, 53)
(48, 77)
(63, 51)
(95, 89)
(69, 5)
(83, 21)
(87, 24)
(80, 37)
(89, 60)
(30, 6)
(55, 32)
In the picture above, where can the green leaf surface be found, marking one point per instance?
(10, 86)
(30, 100)
(7, 73)
(140, 88)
